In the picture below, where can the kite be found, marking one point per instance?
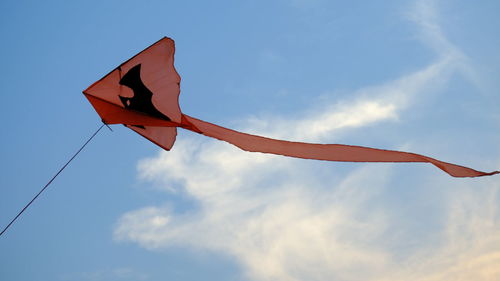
(143, 94)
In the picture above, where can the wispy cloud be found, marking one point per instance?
(286, 219)
(368, 106)
(301, 227)
(426, 16)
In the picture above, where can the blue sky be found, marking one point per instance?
(419, 75)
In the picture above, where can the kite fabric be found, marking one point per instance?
(143, 94)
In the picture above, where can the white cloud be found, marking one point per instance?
(469, 247)
(425, 15)
(300, 228)
(288, 219)
(369, 106)
(295, 231)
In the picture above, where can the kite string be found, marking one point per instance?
(52, 179)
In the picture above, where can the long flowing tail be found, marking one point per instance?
(329, 152)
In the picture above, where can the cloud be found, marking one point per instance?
(301, 229)
(426, 17)
(469, 244)
(471, 249)
(272, 228)
(369, 106)
(289, 219)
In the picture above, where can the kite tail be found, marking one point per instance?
(328, 152)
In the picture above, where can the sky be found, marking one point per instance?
(419, 76)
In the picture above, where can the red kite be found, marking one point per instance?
(142, 93)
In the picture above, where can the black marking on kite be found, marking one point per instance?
(142, 99)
